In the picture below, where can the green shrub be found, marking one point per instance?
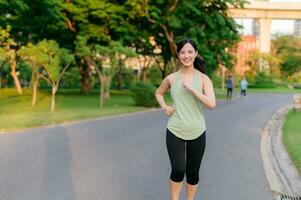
(263, 81)
(154, 75)
(216, 80)
(296, 86)
(144, 94)
(262, 86)
(71, 78)
(127, 79)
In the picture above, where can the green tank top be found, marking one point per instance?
(188, 120)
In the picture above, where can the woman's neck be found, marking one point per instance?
(187, 70)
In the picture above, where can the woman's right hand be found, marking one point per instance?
(169, 110)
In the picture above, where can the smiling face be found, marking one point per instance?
(187, 55)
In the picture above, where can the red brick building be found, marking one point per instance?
(245, 46)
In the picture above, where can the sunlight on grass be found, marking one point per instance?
(16, 111)
(292, 137)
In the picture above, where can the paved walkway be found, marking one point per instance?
(125, 158)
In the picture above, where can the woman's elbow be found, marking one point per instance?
(211, 106)
(158, 94)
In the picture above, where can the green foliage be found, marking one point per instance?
(154, 75)
(35, 20)
(263, 81)
(71, 78)
(263, 62)
(127, 79)
(250, 77)
(46, 58)
(24, 72)
(207, 22)
(291, 64)
(117, 24)
(288, 49)
(2, 54)
(144, 94)
(7, 45)
(292, 137)
(216, 80)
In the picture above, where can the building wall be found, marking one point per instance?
(244, 48)
(297, 28)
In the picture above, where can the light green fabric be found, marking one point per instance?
(188, 120)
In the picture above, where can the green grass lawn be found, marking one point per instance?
(222, 93)
(16, 111)
(292, 137)
(274, 90)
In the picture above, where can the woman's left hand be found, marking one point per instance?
(186, 85)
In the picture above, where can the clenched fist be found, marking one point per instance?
(169, 110)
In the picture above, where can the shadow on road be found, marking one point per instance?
(57, 181)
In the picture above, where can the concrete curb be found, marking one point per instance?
(281, 174)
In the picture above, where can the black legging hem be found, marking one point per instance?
(185, 157)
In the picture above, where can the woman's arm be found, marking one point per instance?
(162, 89)
(208, 98)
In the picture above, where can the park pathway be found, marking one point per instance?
(124, 158)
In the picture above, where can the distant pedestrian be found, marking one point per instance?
(230, 86)
(243, 87)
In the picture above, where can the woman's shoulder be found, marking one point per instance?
(171, 76)
(203, 76)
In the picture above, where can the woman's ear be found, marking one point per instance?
(196, 54)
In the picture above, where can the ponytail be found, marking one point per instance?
(199, 64)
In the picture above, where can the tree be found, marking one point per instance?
(33, 56)
(96, 22)
(46, 59)
(263, 62)
(288, 49)
(117, 55)
(96, 56)
(55, 58)
(35, 20)
(1, 65)
(8, 54)
(207, 22)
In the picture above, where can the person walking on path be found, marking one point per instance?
(230, 86)
(186, 129)
(243, 87)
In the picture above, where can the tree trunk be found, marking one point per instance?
(13, 73)
(107, 84)
(170, 38)
(174, 64)
(163, 72)
(34, 91)
(101, 92)
(119, 79)
(143, 76)
(85, 75)
(54, 89)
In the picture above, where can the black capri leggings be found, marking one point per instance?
(185, 158)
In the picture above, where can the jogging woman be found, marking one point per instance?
(186, 129)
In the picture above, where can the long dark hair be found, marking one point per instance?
(198, 63)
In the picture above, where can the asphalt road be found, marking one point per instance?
(125, 158)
